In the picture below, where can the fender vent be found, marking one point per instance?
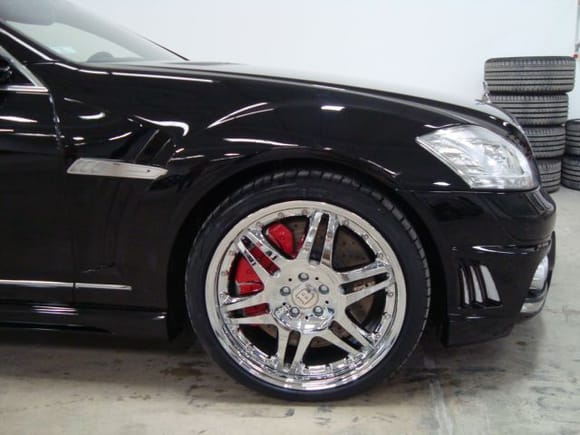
(154, 147)
(477, 287)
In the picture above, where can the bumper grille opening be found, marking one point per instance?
(478, 289)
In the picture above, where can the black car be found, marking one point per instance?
(306, 229)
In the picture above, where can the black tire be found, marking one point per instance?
(573, 137)
(537, 75)
(534, 110)
(547, 141)
(551, 188)
(573, 150)
(571, 177)
(551, 179)
(322, 187)
(571, 169)
(571, 163)
(549, 166)
(575, 185)
(573, 127)
(550, 174)
(571, 173)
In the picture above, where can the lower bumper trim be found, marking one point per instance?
(533, 308)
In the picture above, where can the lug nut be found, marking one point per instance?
(323, 289)
(294, 312)
(318, 311)
(285, 291)
(303, 277)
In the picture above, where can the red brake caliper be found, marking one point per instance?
(247, 280)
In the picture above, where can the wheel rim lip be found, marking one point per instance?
(233, 343)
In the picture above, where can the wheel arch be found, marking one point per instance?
(366, 174)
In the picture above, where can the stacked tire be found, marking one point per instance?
(571, 164)
(533, 90)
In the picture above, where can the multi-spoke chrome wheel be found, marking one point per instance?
(314, 321)
(308, 298)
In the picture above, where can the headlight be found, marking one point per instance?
(484, 159)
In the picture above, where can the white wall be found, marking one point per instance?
(575, 95)
(439, 44)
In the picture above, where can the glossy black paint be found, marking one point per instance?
(214, 127)
(509, 233)
(36, 238)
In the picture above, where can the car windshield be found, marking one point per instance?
(72, 33)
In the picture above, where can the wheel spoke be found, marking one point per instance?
(283, 337)
(313, 225)
(239, 303)
(372, 270)
(327, 249)
(355, 331)
(303, 344)
(261, 243)
(354, 297)
(260, 270)
(329, 336)
(262, 319)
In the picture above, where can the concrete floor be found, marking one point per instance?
(526, 383)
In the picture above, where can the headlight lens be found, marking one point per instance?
(484, 159)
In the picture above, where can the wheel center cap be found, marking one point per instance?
(305, 296)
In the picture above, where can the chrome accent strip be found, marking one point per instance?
(466, 298)
(476, 286)
(489, 282)
(59, 284)
(533, 307)
(24, 89)
(478, 280)
(36, 85)
(159, 76)
(38, 284)
(115, 169)
(28, 46)
(96, 286)
(55, 310)
(541, 274)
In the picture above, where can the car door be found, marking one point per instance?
(36, 259)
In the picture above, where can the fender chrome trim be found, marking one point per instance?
(92, 286)
(114, 169)
(70, 285)
(38, 284)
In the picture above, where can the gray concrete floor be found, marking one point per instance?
(525, 383)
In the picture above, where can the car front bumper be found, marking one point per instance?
(490, 247)
(538, 293)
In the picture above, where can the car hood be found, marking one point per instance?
(392, 90)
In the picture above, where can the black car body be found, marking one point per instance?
(109, 170)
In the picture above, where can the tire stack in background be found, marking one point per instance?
(571, 164)
(534, 90)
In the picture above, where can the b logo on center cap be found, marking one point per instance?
(305, 297)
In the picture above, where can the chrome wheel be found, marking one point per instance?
(305, 295)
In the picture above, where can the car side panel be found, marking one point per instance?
(36, 258)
